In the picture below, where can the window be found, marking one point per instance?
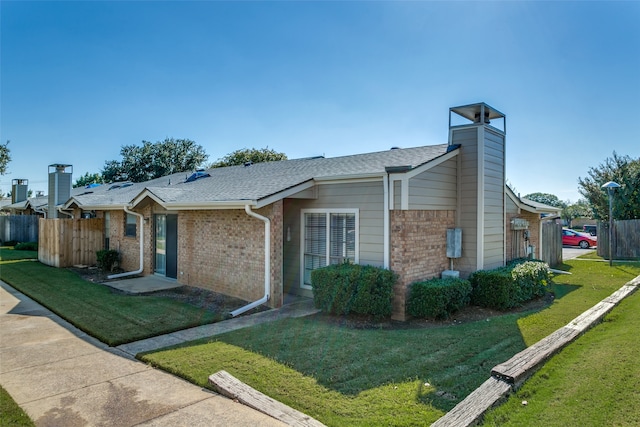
(330, 237)
(130, 227)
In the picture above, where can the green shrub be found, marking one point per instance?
(438, 298)
(26, 246)
(10, 243)
(494, 289)
(506, 287)
(532, 278)
(107, 259)
(350, 288)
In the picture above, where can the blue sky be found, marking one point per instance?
(80, 79)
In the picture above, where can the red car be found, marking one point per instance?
(575, 238)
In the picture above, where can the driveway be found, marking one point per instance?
(570, 252)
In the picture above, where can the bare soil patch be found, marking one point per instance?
(221, 303)
(198, 297)
(465, 315)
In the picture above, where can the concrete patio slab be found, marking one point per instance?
(144, 284)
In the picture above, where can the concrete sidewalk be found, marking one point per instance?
(61, 376)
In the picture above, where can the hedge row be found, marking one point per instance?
(351, 288)
(438, 298)
(507, 287)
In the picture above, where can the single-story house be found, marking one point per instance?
(257, 231)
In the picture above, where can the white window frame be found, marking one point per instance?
(327, 212)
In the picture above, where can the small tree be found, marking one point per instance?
(249, 155)
(5, 157)
(625, 171)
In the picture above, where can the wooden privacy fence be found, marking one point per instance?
(68, 242)
(21, 228)
(626, 239)
(551, 247)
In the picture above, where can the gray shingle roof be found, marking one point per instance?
(258, 181)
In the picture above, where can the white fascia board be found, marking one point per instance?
(533, 209)
(431, 164)
(144, 194)
(284, 194)
(200, 206)
(87, 207)
(347, 179)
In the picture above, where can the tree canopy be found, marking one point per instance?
(249, 155)
(154, 160)
(547, 199)
(87, 178)
(580, 209)
(626, 201)
(5, 157)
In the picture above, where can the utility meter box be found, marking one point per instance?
(454, 242)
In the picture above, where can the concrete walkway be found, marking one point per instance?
(298, 309)
(61, 376)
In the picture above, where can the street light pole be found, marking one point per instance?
(611, 187)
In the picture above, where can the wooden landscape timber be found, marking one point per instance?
(227, 385)
(507, 377)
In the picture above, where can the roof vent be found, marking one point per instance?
(120, 185)
(247, 164)
(197, 175)
(395, 148)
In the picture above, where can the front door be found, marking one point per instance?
(166, 245)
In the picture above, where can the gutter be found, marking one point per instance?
(139, 270)
(62, 211)
(267, 263)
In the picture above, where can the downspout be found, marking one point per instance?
(386, 218)
(139, 270)
(64, 212)
(267, 263)
(42, 211)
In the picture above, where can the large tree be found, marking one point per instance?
(626, 201)
(87, 178)
(547, 199)
(153, 160)
(580, 209)
(5, 157)
(249, 155)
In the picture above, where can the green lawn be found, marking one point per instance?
(593, 382)
(113, 318)
(344, 376)
(11, 415)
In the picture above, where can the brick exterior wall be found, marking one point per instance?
(128, 246)
(418, 250)
(223, 251)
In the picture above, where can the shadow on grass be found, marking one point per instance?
(560, 290)
(453, 359)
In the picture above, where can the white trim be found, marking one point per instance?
(284, 194)
(432, 163)
(328, 212)
(404, 194)
(386, 238)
